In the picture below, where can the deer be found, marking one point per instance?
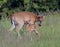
(25, 18)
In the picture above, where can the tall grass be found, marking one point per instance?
(49, 31)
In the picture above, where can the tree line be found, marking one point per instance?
(7, 7)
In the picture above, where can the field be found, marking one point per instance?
(49, 31)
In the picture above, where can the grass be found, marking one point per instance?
(50, 34)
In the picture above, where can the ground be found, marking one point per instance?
(49, 34)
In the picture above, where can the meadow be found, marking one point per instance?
(49, 34)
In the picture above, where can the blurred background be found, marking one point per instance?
(49, 31)
(7, 7)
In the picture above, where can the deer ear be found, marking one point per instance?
(38, 17)
(41, 17)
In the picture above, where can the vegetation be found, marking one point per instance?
(50, 34)
(50, 29)
(7, 7)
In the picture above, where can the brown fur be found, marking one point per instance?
(21, 18)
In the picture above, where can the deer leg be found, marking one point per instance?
(35, 29)
(18, 28)
(30, 34)
(29, 29)
(37, 33)
(12, 28)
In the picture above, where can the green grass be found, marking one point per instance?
(50, 34)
